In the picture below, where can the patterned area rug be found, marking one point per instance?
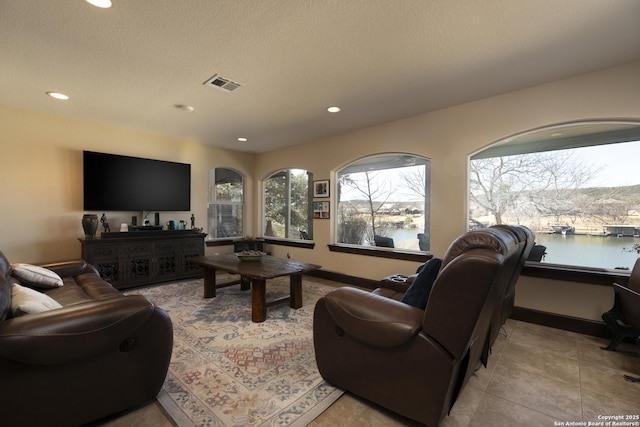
(227, 371)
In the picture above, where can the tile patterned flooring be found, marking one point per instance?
(537, 376)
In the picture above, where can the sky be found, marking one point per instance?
(619, 163)
(619, 166)
(387, 181)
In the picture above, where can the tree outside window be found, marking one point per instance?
(226, 203)
(384, 200)
(576, 186)
(288, 210)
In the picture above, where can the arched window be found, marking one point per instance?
(226, 203)
(384, 200)
(574, 185)
(287, 205)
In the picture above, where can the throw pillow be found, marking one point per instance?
(34, 275)
(418, 292)
(26, 300)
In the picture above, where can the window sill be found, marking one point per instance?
(308, 244)
(221, 242)
(381, 252)
(594, 276)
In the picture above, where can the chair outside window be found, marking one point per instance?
(384, 242)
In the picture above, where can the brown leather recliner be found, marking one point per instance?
(99, 354)
(411, 361)
(491, 318)
(395, 286)
(525, 239)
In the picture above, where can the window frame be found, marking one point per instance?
(386, 161)
(213, 201)
(557, 137)
(286, 240)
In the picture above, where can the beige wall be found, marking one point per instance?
(41, 170)
(41, 176)
(448, 137)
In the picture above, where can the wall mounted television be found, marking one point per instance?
(121, 183)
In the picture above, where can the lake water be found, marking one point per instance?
(589, 251)
(580, 250)
(405, 238)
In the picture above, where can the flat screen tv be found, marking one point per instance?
(121, 183)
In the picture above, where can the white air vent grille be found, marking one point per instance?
(223, 83)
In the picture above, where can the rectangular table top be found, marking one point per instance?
(267, 267)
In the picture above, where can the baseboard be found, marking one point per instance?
(559, 321)
(553, 320)
(345, 278)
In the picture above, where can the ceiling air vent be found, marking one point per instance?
(223, 83)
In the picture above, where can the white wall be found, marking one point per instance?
(41, 173)
(41, 176)
(448, 137)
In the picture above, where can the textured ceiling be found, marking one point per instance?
(379, 60)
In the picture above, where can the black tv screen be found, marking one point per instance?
(121, 183)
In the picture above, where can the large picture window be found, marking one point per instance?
(288, 211)
(226, 203)
(384, 200)
(576, 186)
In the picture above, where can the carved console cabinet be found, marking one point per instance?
(139, 258)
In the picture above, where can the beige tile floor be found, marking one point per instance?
(537, 376)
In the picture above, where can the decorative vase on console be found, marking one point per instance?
(90, 225)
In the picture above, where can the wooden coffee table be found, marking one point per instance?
(254, 275)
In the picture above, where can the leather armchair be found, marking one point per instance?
(504, 294)
(99, 354)
(525, 239)
(415, 362)
(624, 317)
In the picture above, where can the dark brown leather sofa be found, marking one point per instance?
(99, 354)
(415, 362)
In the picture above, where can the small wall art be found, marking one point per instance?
(321, 188)
(320, 210)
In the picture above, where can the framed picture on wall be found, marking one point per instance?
(320, 210)
(321, 188)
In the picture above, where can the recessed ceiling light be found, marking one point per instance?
(333, 109)
(556, 134)
(242, 139)
(187, 108)
(58, 95)
(103, 4)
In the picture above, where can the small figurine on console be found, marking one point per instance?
(105, 223)
(193, 221)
